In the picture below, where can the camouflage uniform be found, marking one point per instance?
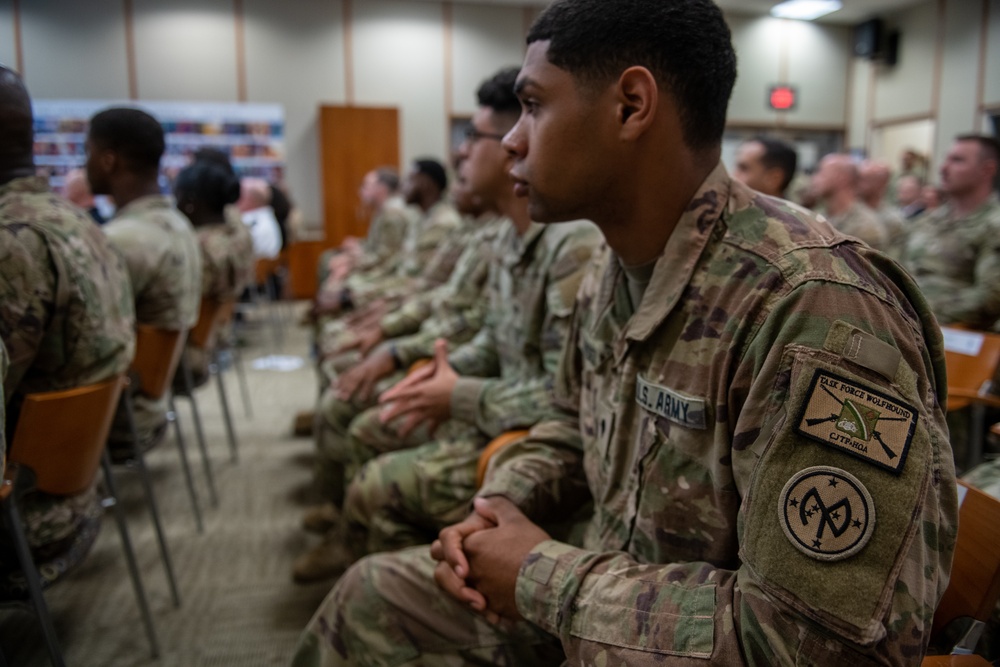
(893, 223)
(863, 223)
(775, 376)
(453, 311)
(161, 253)
(956, 263)
(505, 379)
(227, 269)
(66, 318)
(383, 244)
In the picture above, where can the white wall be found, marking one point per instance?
(992, 74)
(906, 90)
(484, 38)
(8, 55)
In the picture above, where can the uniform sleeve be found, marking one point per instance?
(844, 549)
(384, 240)
(28, 300)
(977, 306)
(496, 405)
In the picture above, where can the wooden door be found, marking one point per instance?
(353, 141)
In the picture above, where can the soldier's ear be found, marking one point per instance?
(638, 99)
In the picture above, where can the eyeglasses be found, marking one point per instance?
(472, 135)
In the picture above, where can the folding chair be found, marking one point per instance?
(971, 358)
(59, 441)
(214, 316)
(974, 587)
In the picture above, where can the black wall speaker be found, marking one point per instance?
(868, 38)
(891, 54)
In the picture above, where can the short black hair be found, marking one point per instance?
(685, 44)
(497, 92)
(989, 146)
(433, 170)
(209, 182)
(779, 155)
(133, 133)
(215, 156)
(388, 177)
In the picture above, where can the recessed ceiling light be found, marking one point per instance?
(805, 10)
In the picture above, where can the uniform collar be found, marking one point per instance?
(25, 184)
(145, 203)
(676, 264)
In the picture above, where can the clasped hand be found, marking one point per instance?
(422, 396)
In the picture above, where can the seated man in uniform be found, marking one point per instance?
(835, 184)
(204, 191)
(766, 165)
(873, 187)
(751, 399)
(66, 312)
(158, 244)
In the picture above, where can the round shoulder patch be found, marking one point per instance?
(826, 513)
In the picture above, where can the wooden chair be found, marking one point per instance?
(974, 587)
(213, 317)
(495, 445)
(157, 354)
(971, 359)
(59, 441)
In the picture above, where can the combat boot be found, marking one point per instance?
(326, 560)
(321, 518)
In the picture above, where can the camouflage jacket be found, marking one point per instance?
(66, 313)
(863, 223)
(163, 260)
(430, 252)
(956, 263)
(507, 368)
(765, 446)
(227, 260)
(452, 307)
(387, 231)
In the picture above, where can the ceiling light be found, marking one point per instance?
(805, 10)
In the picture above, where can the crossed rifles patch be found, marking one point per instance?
(859, 421)
(826, 513)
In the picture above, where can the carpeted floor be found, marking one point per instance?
(238, 603)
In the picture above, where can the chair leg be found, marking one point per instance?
(241, 375)
(34, 582)
(215, 370)
(186, 466)
(213, 496)
(147, 486)
(133, 568)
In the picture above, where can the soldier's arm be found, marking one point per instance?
(387, 241)
(497, 405)
(849, 594)
(977, 306)
(27, 302)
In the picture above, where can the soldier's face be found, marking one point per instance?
(100, 162)
(484, 162)
(564, 142)
(750, 169)
(963, 168)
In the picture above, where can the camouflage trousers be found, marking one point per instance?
(387, 610)
(404, 498)
(51, 523)
(150, 418)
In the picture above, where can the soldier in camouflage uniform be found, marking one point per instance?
(453, 311)
(835, 183)
(498, 381)
(66, 312)
(158, 244)
(759, 427)
(873, 184)
(954, 251)
(204, 191)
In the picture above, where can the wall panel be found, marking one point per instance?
(399, 61)
(960, 72)
(295, 57)
(8, 52)
(74, 49)
(817, 61)
(991, 90)
(758, 43)
(485, 38)
(906, 90)
(186, 50)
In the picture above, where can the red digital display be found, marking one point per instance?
(782, 98)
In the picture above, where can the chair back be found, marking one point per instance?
(60, 435)
(213, 315)
(495, 445)
(975, 573)
(971, 359)
(157, 352)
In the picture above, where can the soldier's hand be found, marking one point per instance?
(495, 554)
(453, 568)
(423, 396)
(361, 379)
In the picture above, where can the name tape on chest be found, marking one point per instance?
(859, 421)
(672, 405)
